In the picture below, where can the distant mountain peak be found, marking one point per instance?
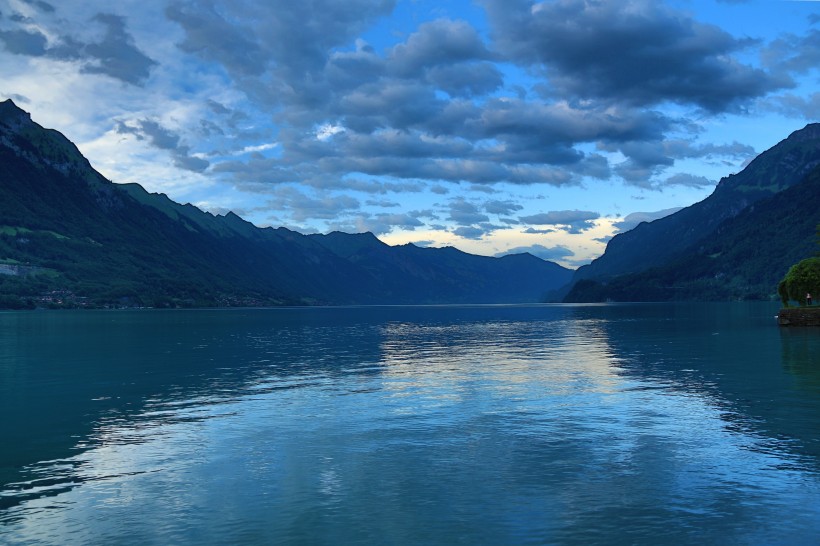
(104, 243)
(658, 243)
(809, 132)
(46, 147)
(521, 256)
(8, 106)
(13, 116)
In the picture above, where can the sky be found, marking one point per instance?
(495, 126)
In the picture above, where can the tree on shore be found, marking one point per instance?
(803, 278)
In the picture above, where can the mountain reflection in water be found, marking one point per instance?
(481, 424)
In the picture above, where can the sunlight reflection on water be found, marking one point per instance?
(543, 425)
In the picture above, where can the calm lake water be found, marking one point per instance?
(557, 424)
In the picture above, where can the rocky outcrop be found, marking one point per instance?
(799, 316)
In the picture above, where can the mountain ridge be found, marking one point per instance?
(735, 244)
(775, 169)
(95, 243)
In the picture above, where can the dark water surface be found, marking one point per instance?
(556, 424)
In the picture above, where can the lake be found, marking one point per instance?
(556, 424)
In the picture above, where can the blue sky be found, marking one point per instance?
(494, 126)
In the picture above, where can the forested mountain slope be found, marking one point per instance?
(69, 237)
(742, 257)
(653, 244)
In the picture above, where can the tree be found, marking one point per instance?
(818, 238)
(802, 278)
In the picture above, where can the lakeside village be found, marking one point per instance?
(66, 299)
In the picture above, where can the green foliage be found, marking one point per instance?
(803, 278)
(77, 240)
(655, 244)
(783, 292)
(744, 258)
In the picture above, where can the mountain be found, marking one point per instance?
(69, 237)
(735, 244)
(408, 273)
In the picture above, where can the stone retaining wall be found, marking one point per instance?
(799, 316)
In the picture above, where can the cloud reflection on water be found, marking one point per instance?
(563, 424)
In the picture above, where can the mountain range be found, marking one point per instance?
(69, 237)
(735, 244)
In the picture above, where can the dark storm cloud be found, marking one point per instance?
(388, 116)
(398, 104)
(404, 144)
(24, 42)
(383, 203)
(440, 42)
(440, 168)
(447, 55)
(259, 169)
(637, 52)
(594, 166)
(19, 99)
(469, 232)
(527, 141)
(156, 134)
(434, 107)
(793, 105)
(348, 69)
(637, 174)
(164, 139)
(680, 149)
(575, 221)
(385, 223)
(256, 170)
(369, 186)
(646, 154)
(632, 220)
(794, 54)
(464, 213)
(501, 207)
(39, 4)
(645, 160)
(470, 221)
(183, 160)
(276, 51)
(115, 55)
(212, 37)
(688, 180)
(483, 188)
(466, 79)
(218, 108)
(557, 124)
(303, 207)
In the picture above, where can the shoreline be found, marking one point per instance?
(799, 316)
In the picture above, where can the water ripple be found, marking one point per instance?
(564, 425)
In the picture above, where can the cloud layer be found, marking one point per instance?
(316, 108)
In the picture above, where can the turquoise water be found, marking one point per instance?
(557, 424)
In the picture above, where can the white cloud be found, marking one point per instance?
(250, 102)
(326, 131)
